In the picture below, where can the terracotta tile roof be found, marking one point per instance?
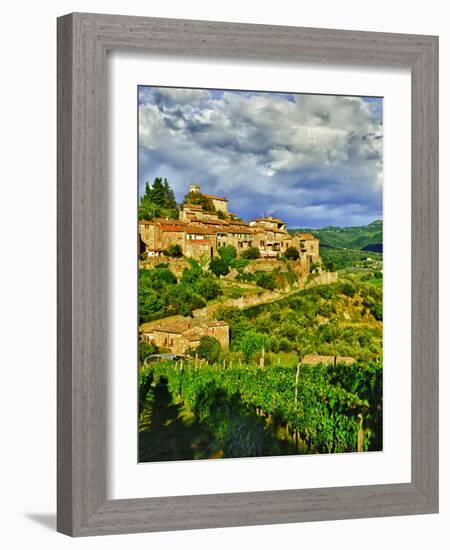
(175, 327)
(212, 222)
(196, 230)
(239, 230)
(214, 197)
(306, 236)
(173, 229)
(164, 221)
(274, 220)
(199, 241)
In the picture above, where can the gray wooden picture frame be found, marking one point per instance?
(83, 42)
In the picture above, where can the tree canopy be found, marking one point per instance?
(228, 253)
(219, 267)
(292, 253)
(209, 349)
(157, 201)
(251, 253)
(198, 198)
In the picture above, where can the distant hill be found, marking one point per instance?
(365, 237)
(374, 247)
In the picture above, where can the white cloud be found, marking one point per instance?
(264, 145)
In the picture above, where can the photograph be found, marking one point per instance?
(260, 273)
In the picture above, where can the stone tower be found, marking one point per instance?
(194, 188)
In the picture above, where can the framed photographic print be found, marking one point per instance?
(247, 256)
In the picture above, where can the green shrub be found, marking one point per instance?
(228, 254)
(292, 253)
(239, 263)
(146, 349)
(253, 342)
(325, 292)
(234, 293)
(173, 251)
(265, 280)
(219, 267)
(151, 305)
(245, 277)
(181, 300)
(207, 286)
(285, 345)
(251, 253)
(209, 349)
(348, 289)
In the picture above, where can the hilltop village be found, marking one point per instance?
(202, 231)
(204, 227)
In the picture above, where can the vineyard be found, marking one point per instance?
(253, 411)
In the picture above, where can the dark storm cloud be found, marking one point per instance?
(314, 160)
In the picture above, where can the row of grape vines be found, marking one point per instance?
(319, 409)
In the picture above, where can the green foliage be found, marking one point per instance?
(300, 319)
(182, 300)
(145, 349)
(219, 267)
(190, 276)
(325, 415)
(201, 200)
(173, 251)
(151, 305)
(265, 280)
(157, 278)
(292, 253)
(348, 289)
(161, 295)
(239, 263)
(251, 253)
(151, 299)
(244, 277)
(157, 201)
(207, 286)
(329, 265)
(356, 237)
(336, 259)
(253, 342)
(228, 254)
(209, 349)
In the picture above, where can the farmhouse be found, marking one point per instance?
(202, 231)
(178, 336)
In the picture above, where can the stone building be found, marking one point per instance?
(220, 203)
(201, 233)
(308, 245)
(178, 336)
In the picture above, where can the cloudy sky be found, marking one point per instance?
(313, 160)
